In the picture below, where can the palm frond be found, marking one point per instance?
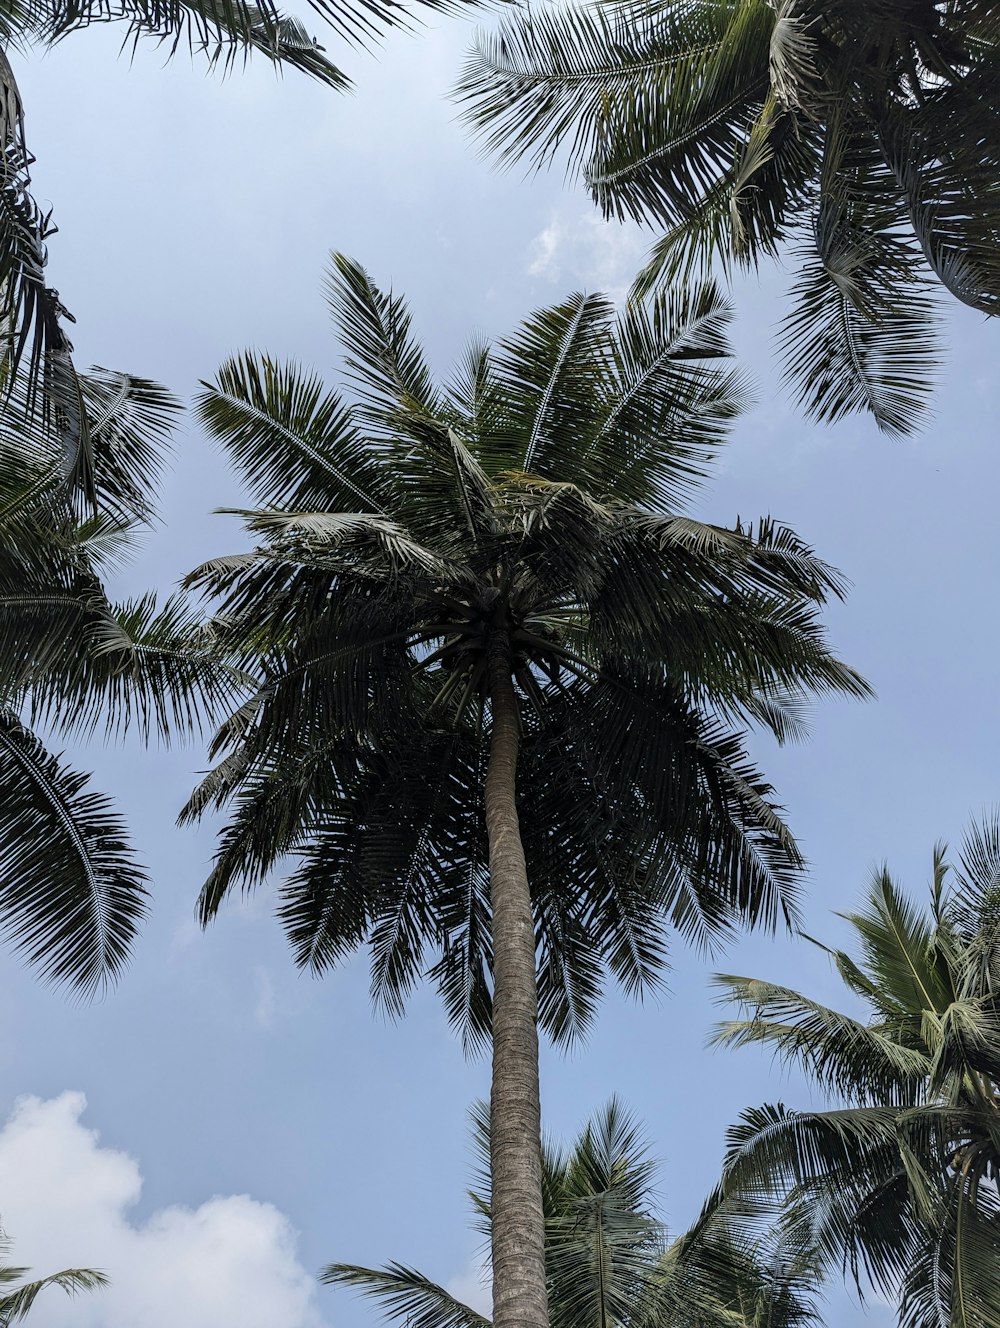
(35, 352)
(71, 893)
(861, 334)
(669, 407)
(292, 442)
(844, 1056)
(157, 669)
(405, 1296)
(15, 1305)
(550, 372)
(129, 421)
(383, 362)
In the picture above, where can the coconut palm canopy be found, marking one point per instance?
(609, 1259)
(866, 137)
(898, 1180)
(400, 533)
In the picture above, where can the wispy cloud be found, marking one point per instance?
(577, 248)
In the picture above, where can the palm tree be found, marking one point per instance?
(498, 682)
(608, 1260)
(865, 135)
(17, 1301)
(33, 339)
(71, 891)
(898, 1180)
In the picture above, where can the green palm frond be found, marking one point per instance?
(154, 668)
(71, 893)
(228, 32)
(900, 1188)
(861, 332)
(130, 421)
(15, 1305)
(35, 352)
(863, 136)
(405, 1296)
(846, 1057)
(293, 443)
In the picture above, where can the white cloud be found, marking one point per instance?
(543, 251)
(578, 248)
(65, 1202)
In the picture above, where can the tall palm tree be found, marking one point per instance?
(17, 1301)
(498, 682)
(898, 1180)
(71, 891)
(866, 135)
(608, 1260)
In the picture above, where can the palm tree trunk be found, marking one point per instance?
(518, 1240)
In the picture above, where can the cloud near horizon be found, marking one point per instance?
(65, 1201)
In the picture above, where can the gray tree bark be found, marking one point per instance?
(518, 1239)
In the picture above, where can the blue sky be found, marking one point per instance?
(195, 218)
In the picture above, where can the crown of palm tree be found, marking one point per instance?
(609, 1260)
(407, 533)
(866, 135)
(900, 1183)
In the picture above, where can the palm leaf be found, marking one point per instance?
(71, 894)
(405, 1296)
(293, 443)
(15, 1305)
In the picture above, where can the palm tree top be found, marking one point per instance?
(928, 979)
(407, 533)
(609, 1258)
(896, 1180)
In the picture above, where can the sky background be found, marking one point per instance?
(219, 1127)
